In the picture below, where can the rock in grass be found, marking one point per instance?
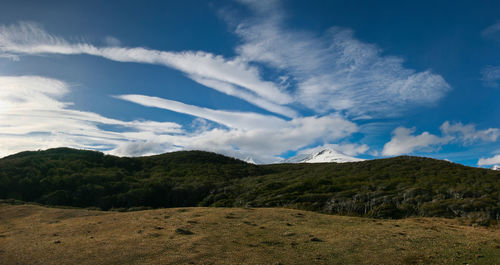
(183, 231)
(315, 239)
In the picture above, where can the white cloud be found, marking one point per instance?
(490, 76)
(45, 116)
(468, 133)
(491, 30)
(29, 38)
(489, 161)
(336, 71)
(254, 135)
(403, 142)
(231, 119)
(231, 90)
(33, 116)
(112, 41)
(142, 147)
(266, 144)
(9, 56)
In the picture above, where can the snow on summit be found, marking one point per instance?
(323, 156)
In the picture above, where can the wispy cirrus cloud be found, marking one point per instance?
(490, 75)
(231, 76)
(265, 145)
(335, 71)
(34, 116)
(262, 137)
(231, 119)
(112, 41)
(468, 134)
(491, 30)
(334, 75)
(249, 97)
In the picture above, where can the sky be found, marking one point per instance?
(265, 80)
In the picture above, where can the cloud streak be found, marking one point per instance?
(33, 116)
(489, 161)
(336, 71)
(233, 77)
(231, 119)
(266, 144)
(490, 76)
(403, 142)
(334, 75)
(491, 30)
(261, 137)
(468, 134)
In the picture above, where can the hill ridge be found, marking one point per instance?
(387, 188)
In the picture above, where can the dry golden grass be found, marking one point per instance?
(32, 234)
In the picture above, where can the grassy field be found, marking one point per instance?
(31, 234)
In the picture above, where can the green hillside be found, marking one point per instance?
(385, 188)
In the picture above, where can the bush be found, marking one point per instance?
(58, 197)
(478, 218)
(138, 208)
(386, 210)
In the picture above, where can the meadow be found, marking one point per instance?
(32, 234)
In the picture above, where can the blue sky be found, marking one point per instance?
(259, 79)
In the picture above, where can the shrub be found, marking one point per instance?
(386, 210)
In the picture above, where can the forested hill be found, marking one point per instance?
(389, 188)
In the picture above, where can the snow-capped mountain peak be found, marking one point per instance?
(249, 160)
(495, 167)
(323, 156)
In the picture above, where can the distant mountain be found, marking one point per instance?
(249, 160)
(323, 156)
(495, 167)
